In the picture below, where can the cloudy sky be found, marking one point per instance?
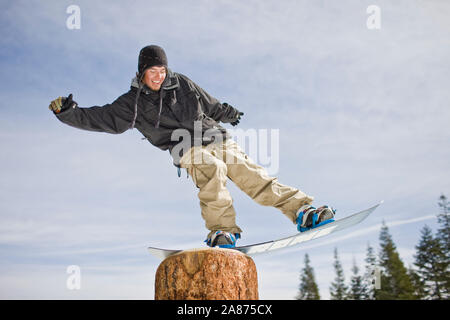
(362, 116)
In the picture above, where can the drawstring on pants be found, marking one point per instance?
(179, 173)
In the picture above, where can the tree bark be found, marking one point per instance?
(207, 274)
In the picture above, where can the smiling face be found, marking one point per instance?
(154, 77)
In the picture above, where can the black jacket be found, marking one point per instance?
(178, 104)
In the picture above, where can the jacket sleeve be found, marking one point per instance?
(213, 108)
(113, 118)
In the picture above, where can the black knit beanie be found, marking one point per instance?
(150, 56)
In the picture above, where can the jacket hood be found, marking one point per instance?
(170, 82)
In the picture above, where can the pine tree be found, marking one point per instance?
(395, 282)
(338, 289)
(308, 289)
(418, 284)
(357, 288)
(371, 261)
(443, 236)
(443, 233)
(428, 260)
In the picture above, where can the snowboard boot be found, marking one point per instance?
(223, 239)
(308, 217)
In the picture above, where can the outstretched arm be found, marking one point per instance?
(113, 118)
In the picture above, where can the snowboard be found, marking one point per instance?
(268, 246)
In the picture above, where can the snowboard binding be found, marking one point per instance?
(223, 239)
(308, 217)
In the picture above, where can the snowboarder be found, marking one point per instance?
(161, 104)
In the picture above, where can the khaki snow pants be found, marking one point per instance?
(210, 167)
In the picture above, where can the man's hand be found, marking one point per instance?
(61, 104)
(232, 115)
(235, 122)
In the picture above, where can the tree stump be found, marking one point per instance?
(207, 274)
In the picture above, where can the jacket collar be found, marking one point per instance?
(170, 83)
